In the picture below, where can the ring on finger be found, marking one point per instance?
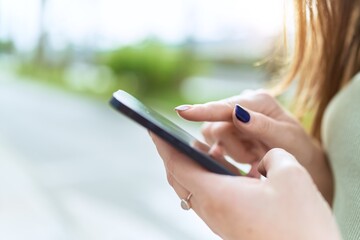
(185, 203)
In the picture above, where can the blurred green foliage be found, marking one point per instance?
(48, 74)
(151, 68)
(6, 47)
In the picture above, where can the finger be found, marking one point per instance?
(216, 152)
(211, 111)
(238, 147)
(254, 172)
(240, 150)
(188, 173)
(277, 161)
(258, 101)
(206, 131)
(195, 201)
(261, 127)
(182, 192)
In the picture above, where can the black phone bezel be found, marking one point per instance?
(198, 156)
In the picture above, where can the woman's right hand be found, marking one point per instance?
(259, 124)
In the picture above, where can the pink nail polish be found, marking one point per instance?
(183, 108)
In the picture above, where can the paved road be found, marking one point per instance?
(71, 168)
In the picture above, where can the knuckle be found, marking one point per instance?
(206, 129)
(263, 96)
(279, 153)
(276, 151)
(295, 172)
(213, 132)
(264, 126)
(292, 168)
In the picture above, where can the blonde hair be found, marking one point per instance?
(326, 54)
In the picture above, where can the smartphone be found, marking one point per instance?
(167, 130)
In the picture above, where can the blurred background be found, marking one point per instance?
(71, 167)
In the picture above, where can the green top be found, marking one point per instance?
(341, 139)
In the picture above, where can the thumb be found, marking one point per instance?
(260, 127)
(278, 161)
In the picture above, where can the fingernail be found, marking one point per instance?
(183, 108)
(241, 114)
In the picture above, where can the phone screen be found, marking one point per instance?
(153, 116)
(173, 134)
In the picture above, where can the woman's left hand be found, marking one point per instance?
(285, 205)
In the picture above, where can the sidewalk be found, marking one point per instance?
(26, 213)
(72, 168)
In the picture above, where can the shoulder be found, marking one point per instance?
(342, 116)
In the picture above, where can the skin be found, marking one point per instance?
(285, 205)
(270, 127)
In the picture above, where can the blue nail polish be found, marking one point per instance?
(241, 114)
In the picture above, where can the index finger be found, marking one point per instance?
(212, 111)
(258, 101)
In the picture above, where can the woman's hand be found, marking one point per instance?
(286, 205)
(257, 125)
